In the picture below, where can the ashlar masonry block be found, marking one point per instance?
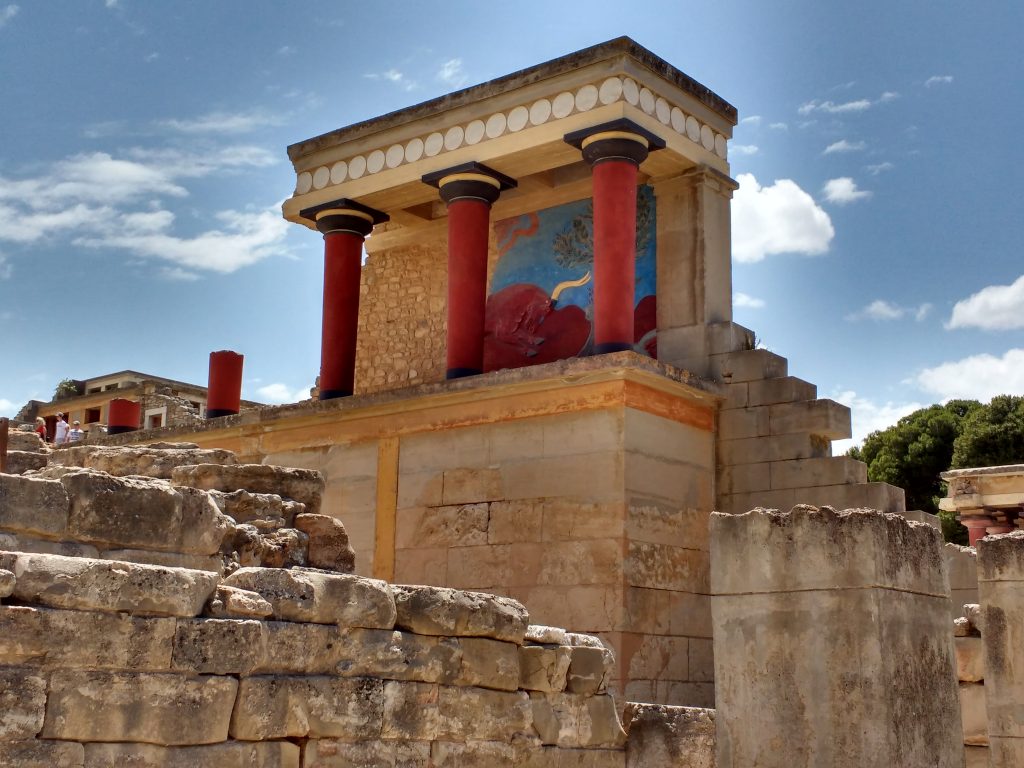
(817, 417)
(808, 473)
(831, 642)
(748, 365)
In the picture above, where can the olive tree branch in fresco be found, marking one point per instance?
(574, 245)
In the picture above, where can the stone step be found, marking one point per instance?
(754, 450)
(305, 486)
(20, 462)
(156, 460)
(747, 365)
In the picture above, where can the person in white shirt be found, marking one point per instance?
(76, 433)
(60, 435)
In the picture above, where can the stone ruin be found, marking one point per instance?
(168, 606)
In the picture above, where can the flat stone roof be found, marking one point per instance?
(619, 47)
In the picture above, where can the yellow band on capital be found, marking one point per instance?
(604, 135)
(470, 177)
(344, 212)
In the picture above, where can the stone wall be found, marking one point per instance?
(970, 672)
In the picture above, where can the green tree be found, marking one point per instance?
(65, 388)
(992, 436)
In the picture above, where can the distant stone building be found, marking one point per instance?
(164, 402)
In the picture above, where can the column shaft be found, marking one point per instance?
(614, 254)
(342, 269)
(468, 233)
(224, 387)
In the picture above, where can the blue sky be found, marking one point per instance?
(877, 229)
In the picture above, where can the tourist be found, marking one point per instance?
(76, 432)
(41, 428)
(60, 434)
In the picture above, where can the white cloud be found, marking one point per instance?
(740, 299)
(744, 149)
(868, 416)
(224, 122)
(779, 126)
(881, 310)
(834, 109)
(993, 308)
(282, 393)
(8, 408)
(452, 73)
(843, 190)
(843, 146)
(888, 96)
(978, 377)
(7, 13)
(781, 218)
(244, 239)
(752, 120)
(393, 76)
(878, 168)
(177, 274)
(938, 80)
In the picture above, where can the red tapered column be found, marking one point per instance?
(224, 387)
(469, 190)
(614, 152)
(123, 416)
(344, 224)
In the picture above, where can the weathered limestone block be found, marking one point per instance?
(234, 603)
(410, 711)
(320, 598)
(471, 714)
(832, 642)
(489, 664)
(266, 511)
(543, 668)
(25, 441)
(24, 543)
(970, 659)
(230, 754)
(961, 627)
(329, 547)
(660, 735)
(22, 703)
(295, 649)
(164, 709)
(284, 548)
(106, 585)
(473, 754)
(296, 707)
(975, 617)
(972, 713)
(212, 563)
(1005, 752)
(149, 461)
(36, 753)
(560, 757)
(538, 633)
(19, 462)
(217, 646)
(395, 655)
(6, 583)
(569, 720)
(33, 505)
(305, 486)
(333, 753)
(589, 669)
(443, 611)
(443, 526)
(976, 757)
(139, 513)
(76, 639)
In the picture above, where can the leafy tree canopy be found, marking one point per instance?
(992, 435)
(65, 388)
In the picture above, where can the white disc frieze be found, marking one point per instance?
(338, 172)
(611, 90)
(375, 161)
(356, 167)
(586, 98)
(707, 138)
(540, 112)
(414, 150)
(721, 147)
(433, 144)
(394, 156)
(475, 132)
(663, 110)
(321, 176)
(495, 125)
(563, 104)
(518, 118)
(304, 183)
(453, 137)
(678, 119)
(647, 101)
(631, 91)
(692, 128)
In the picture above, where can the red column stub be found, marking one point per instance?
(123, 416)
(469, 190)
(614, 151)
(224, 387)
(345, 225)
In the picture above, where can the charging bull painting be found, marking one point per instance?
(541, 305)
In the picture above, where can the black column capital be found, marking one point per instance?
(469, 181)
(344, 215)
(616, 140)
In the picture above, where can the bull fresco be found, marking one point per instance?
(541, 302)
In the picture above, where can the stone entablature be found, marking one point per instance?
(986, 500)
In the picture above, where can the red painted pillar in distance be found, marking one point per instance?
(614, 151)
(469, 190)
(345, 225)
(224, 387)
(123, 416)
